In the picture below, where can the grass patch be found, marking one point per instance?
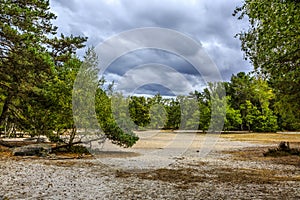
(256, 154)
(182, 178)
(250, 176)
(279, 152)
(185, 178)
(265, 138)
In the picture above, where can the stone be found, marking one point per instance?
(32, 150)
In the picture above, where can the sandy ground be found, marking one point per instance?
(159, 166)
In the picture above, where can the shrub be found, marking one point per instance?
(283, 149)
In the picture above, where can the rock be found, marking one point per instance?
(32, 150)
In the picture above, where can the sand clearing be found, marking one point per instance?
(162, 165)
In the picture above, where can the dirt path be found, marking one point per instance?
(160, 166)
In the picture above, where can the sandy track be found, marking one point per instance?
(158, 167)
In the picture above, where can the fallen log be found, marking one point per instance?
(13, 144)
(32, 150)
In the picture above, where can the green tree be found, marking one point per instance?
(120, 111)
(204, 106)
(272, 43)
(172, 108)
(157, 112)
(239, 89)
(158, 116)
(139, 111)
(122, 136)
(29, 56)
(253, 97)
(233, 118)
(250, 114)
(92, 112)
(217, 105)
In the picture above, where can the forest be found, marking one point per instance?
(38, 69)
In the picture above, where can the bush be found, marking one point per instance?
(282, 150)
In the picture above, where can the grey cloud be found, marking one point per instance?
(153, 74)
(209, 22)
(153, 89)
(144, 56)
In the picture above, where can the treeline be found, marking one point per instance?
(251, 105)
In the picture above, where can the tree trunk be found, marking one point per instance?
(5, 107)
(72, 136)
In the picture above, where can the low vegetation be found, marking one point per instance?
(283, 150)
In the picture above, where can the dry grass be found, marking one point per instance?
(265, 138)
(256, 154)
(5, 152)
(70, 163)
(251, 176)
(184, 178)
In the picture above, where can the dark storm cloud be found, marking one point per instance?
(153, 89)
(208, 22)
(139, 57)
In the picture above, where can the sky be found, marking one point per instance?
(209, 23)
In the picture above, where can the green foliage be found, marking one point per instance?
(172, 108)
(203, 99)
(272, 43)
(35, 82)
(139, 111)
(217, 103)
(190, 114)
(233, 118)
(122, 136)
(120, 111)
(253, 97)
(93, 109)
(158, 116)
(157, 112)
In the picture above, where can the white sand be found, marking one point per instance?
(96, 178)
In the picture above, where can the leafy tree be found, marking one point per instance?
(250, 113)
(172, 108)
(139, 111)
(120, 112)
(29, 56)
(189, 112)
(100, 122)
(272, 43)
(239, 89)
(158, 116)
(254, 98)
(217, 105)
(121, 136)
(205, 116)
(233, 118)
(157, 112)
(204, 105)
